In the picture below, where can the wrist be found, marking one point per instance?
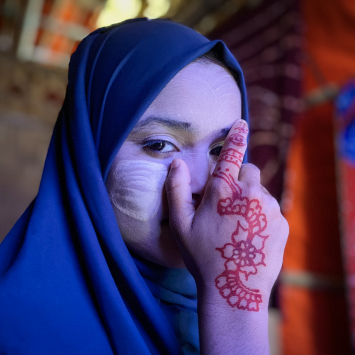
(229, 330)
(232, 297)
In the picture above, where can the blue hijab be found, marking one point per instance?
(68, 283)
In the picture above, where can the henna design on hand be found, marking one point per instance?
(237, 139)
(244, 253)
(231, 155)
(241, 129)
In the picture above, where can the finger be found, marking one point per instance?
(249, 174)
(179, 195)
(232, 154)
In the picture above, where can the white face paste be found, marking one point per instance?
(137, 188)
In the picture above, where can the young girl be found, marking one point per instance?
(148, 235)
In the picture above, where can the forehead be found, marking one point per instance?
(203, 95)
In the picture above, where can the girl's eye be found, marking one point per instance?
(216, 148)
(159, 146)
(162, 146)
(216, 151)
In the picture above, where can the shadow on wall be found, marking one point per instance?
(30, 99)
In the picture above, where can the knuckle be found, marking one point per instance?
(286, 227)
(219, 187)
(224, 189)
(283, 229)
(249, 173)
(220, 191)
(253, 189)
(274, 205)
(251, 168)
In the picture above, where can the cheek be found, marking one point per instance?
(136, 188)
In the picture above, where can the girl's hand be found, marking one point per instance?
(233, 243)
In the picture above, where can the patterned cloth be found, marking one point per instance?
(266, 42)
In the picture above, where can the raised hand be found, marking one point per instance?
(235, 239)
(244, 253)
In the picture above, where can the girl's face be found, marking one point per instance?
(189, 119)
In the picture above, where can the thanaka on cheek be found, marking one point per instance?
(137, 187)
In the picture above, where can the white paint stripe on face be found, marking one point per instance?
(137, 188)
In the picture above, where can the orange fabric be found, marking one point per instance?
(314, 241)
(65, 11)
(301, 305)
(316, 322)
(330, 39)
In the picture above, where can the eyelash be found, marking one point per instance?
(149, 144)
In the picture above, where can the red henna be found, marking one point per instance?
(231, 155)
(244, 253)
(236, 293)
(228, 178)
(241, 129)
(238, 140)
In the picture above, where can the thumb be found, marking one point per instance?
(178, 191)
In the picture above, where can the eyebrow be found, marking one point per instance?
(177, 125)
(170, 123)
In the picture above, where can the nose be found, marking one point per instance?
(200, 171)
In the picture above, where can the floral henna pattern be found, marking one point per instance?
(236, 293)
(244, 253)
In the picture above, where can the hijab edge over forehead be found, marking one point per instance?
(230, 62)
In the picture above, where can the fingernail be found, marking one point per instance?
(175, 164)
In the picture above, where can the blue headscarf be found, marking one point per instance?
(68, 283)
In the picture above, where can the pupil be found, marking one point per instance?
(158, 145)
(216, 151)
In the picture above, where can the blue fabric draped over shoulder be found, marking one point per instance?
(68, 283)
